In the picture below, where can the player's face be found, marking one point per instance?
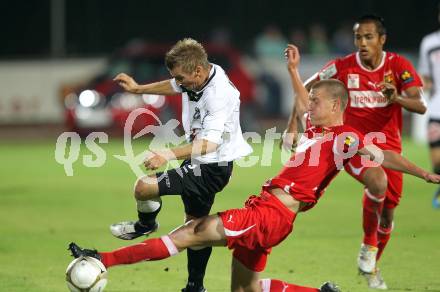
(368, 41)
(187, 80)
(320, 107)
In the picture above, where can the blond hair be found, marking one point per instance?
(188, 54)
(335, 89)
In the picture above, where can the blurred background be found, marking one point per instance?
(58, 57)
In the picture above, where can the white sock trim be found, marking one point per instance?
(373, 198)
(172, 249)
(265, 285)
(149, 206)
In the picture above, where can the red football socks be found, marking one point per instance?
(383, 235)
(372, 208)
(149, 250)
(272, 285)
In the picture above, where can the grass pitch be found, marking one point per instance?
(42, 210)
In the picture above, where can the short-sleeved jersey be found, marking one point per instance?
(321, 153)
(213, 113)
(368, 110)
(429, 65)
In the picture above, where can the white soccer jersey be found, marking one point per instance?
(429, 65)
(213, 114)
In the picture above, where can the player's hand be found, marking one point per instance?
(389, 91)
(288, 141)
(292, 57)
(156, 160)
(432, 178)
(126, 82)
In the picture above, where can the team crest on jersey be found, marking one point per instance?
(350, 141)
(328, 72)
(406, 77)
(388, 77)
(353, 81)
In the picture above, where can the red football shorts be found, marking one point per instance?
(253, 230)
(395, 180)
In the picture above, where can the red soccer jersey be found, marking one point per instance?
(320, 155)
(368, 110)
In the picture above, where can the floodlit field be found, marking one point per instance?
(42, 210)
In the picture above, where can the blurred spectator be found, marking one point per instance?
(299, 38)
(342, 41)
(318, 42)
(274, 93)
(220, 36)
(270, 43)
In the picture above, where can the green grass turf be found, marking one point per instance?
(42, 210)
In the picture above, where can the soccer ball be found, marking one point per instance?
(86, 274)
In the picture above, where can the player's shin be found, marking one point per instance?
(383, 236)
(147, 213)
(273, 285)
(149, 250)
(197, 262)
(372, 208)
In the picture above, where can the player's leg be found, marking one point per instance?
(434, 149)
(148, 204)
(245, 274)
(197, 261)
(198, 198)
(243, 278)
(375, 181)
(385, 229)
(206, 231)
(147, 192)
(393, 195)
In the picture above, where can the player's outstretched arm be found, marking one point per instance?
(129, 84)
(293, 58)
(296, 118)
(392, 160)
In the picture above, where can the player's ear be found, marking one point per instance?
(198, 70)
(383, 39)
(336, 105)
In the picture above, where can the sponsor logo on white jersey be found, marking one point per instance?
(367, 98)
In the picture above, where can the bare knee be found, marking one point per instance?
(183, 237)
(376, 181)
(146, 188)
(189, 218)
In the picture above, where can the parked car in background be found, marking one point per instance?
(101, 104)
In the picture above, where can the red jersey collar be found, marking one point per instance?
(358, 61)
